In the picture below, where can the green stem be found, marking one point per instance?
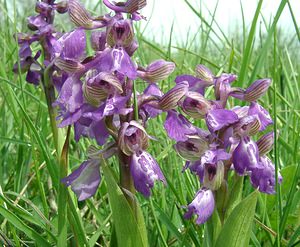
(63, 194)
(50, 98)
(126, 180)
(135, 103)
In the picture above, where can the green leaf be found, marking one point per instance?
(130, 229)
(235, 195)
(22, 227)
(237, 229)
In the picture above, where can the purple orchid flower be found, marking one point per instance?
(203, 206)
(230, 140)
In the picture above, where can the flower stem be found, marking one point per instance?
(126, 180)
(50, 98)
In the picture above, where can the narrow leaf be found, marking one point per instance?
(237, 229)
(131, 233)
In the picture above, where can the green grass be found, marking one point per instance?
(28, 168)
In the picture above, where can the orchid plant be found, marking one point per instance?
(98, 96)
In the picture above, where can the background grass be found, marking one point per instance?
(28, 199)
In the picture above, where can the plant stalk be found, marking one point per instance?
(126, 180)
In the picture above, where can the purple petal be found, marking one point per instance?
(36, 22)
(71, 45)
(219, 118)
(113, 105)
(33, 77)
(197, 168)
(71, 95)
(195, 84)
(92, 129)
(203, 206)
(117, 60)
(245, 157)
(263, 114)
(145, 171)
(85, 180)
(98, 40)
(152, 90)
(178, 127)
(263, 177)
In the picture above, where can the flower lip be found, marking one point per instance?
(203, 206)
(145, 171)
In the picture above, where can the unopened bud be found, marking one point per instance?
(265, 143)
(99, 86)
(131, 6)
(257, 89)
(195, 105)
(157, 71)
(192, 148)
(204, 73)
(62, 7)
(81, 18)
(170, 100)
(43, 8)
(67, 65)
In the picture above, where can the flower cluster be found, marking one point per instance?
(228, 142)
(44, 34)
(98, 96)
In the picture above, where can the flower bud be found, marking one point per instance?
(157, 71)
(195, 105)
(213, 175)
(265, 143)
(204, 73)
(120, 33)
(193, 148)
(132, 137)
(67, 65)
(43, 8)
(78, 14)
(131, 6)
(81, 18)
(98, 87)
(170, 100)
(257, 89)
(62, 7)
